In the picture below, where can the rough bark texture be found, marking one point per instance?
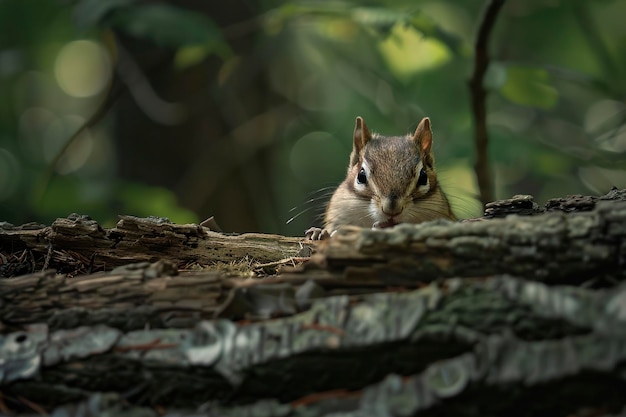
(553, 248)
(79, 244)
(521, 315)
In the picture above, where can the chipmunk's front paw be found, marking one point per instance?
(315, 233)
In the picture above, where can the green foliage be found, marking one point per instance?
(90, 13)
(283, 86)
(529, 86)
(141, 200)
(428, 27)
(165, 25)
(378, 19)
(68, 194)
(196, 36)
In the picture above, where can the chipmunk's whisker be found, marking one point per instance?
(299, 214)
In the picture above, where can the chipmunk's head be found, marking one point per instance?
(396, 174)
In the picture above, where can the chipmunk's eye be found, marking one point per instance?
(423, 178)
(361, 178)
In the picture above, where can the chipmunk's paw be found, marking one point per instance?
(315, 233)
(384, 225)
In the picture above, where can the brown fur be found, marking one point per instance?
(393, 162)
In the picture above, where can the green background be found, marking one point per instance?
(245, 110)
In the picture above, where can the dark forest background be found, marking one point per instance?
(245, 109)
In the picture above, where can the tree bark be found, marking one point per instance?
(440, 318)
(79, 244)
(553, 248)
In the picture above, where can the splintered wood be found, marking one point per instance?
(153, 318)
(79, 245)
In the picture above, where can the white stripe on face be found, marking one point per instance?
(372, 184)
(423, 189)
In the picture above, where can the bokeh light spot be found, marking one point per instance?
(82, 68)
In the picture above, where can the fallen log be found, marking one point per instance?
(445, 339)
(554, 248)
(489, 316)
(78, 244)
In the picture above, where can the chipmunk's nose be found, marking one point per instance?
(391, 206)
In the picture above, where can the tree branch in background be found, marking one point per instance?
(115, 91)
(481, 62)
(138, 85)
(128, 76)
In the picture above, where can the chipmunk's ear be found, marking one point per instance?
(423, 136)
(362, 135)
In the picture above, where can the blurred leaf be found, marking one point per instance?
(549, 163)
(385, 19)
(381, 19)
(188, 56)
(89, 13)
(290, 10)
(191, 55)
(426, 53)
(529, 87)
(65, 195)
(68, 194)
(143, 200)
(166, 25)
(429, 28)
(378, 18)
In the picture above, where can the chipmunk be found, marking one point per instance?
(390, 180)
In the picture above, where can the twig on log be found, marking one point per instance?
(77, 239)
(224, 344)
(481, 62)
